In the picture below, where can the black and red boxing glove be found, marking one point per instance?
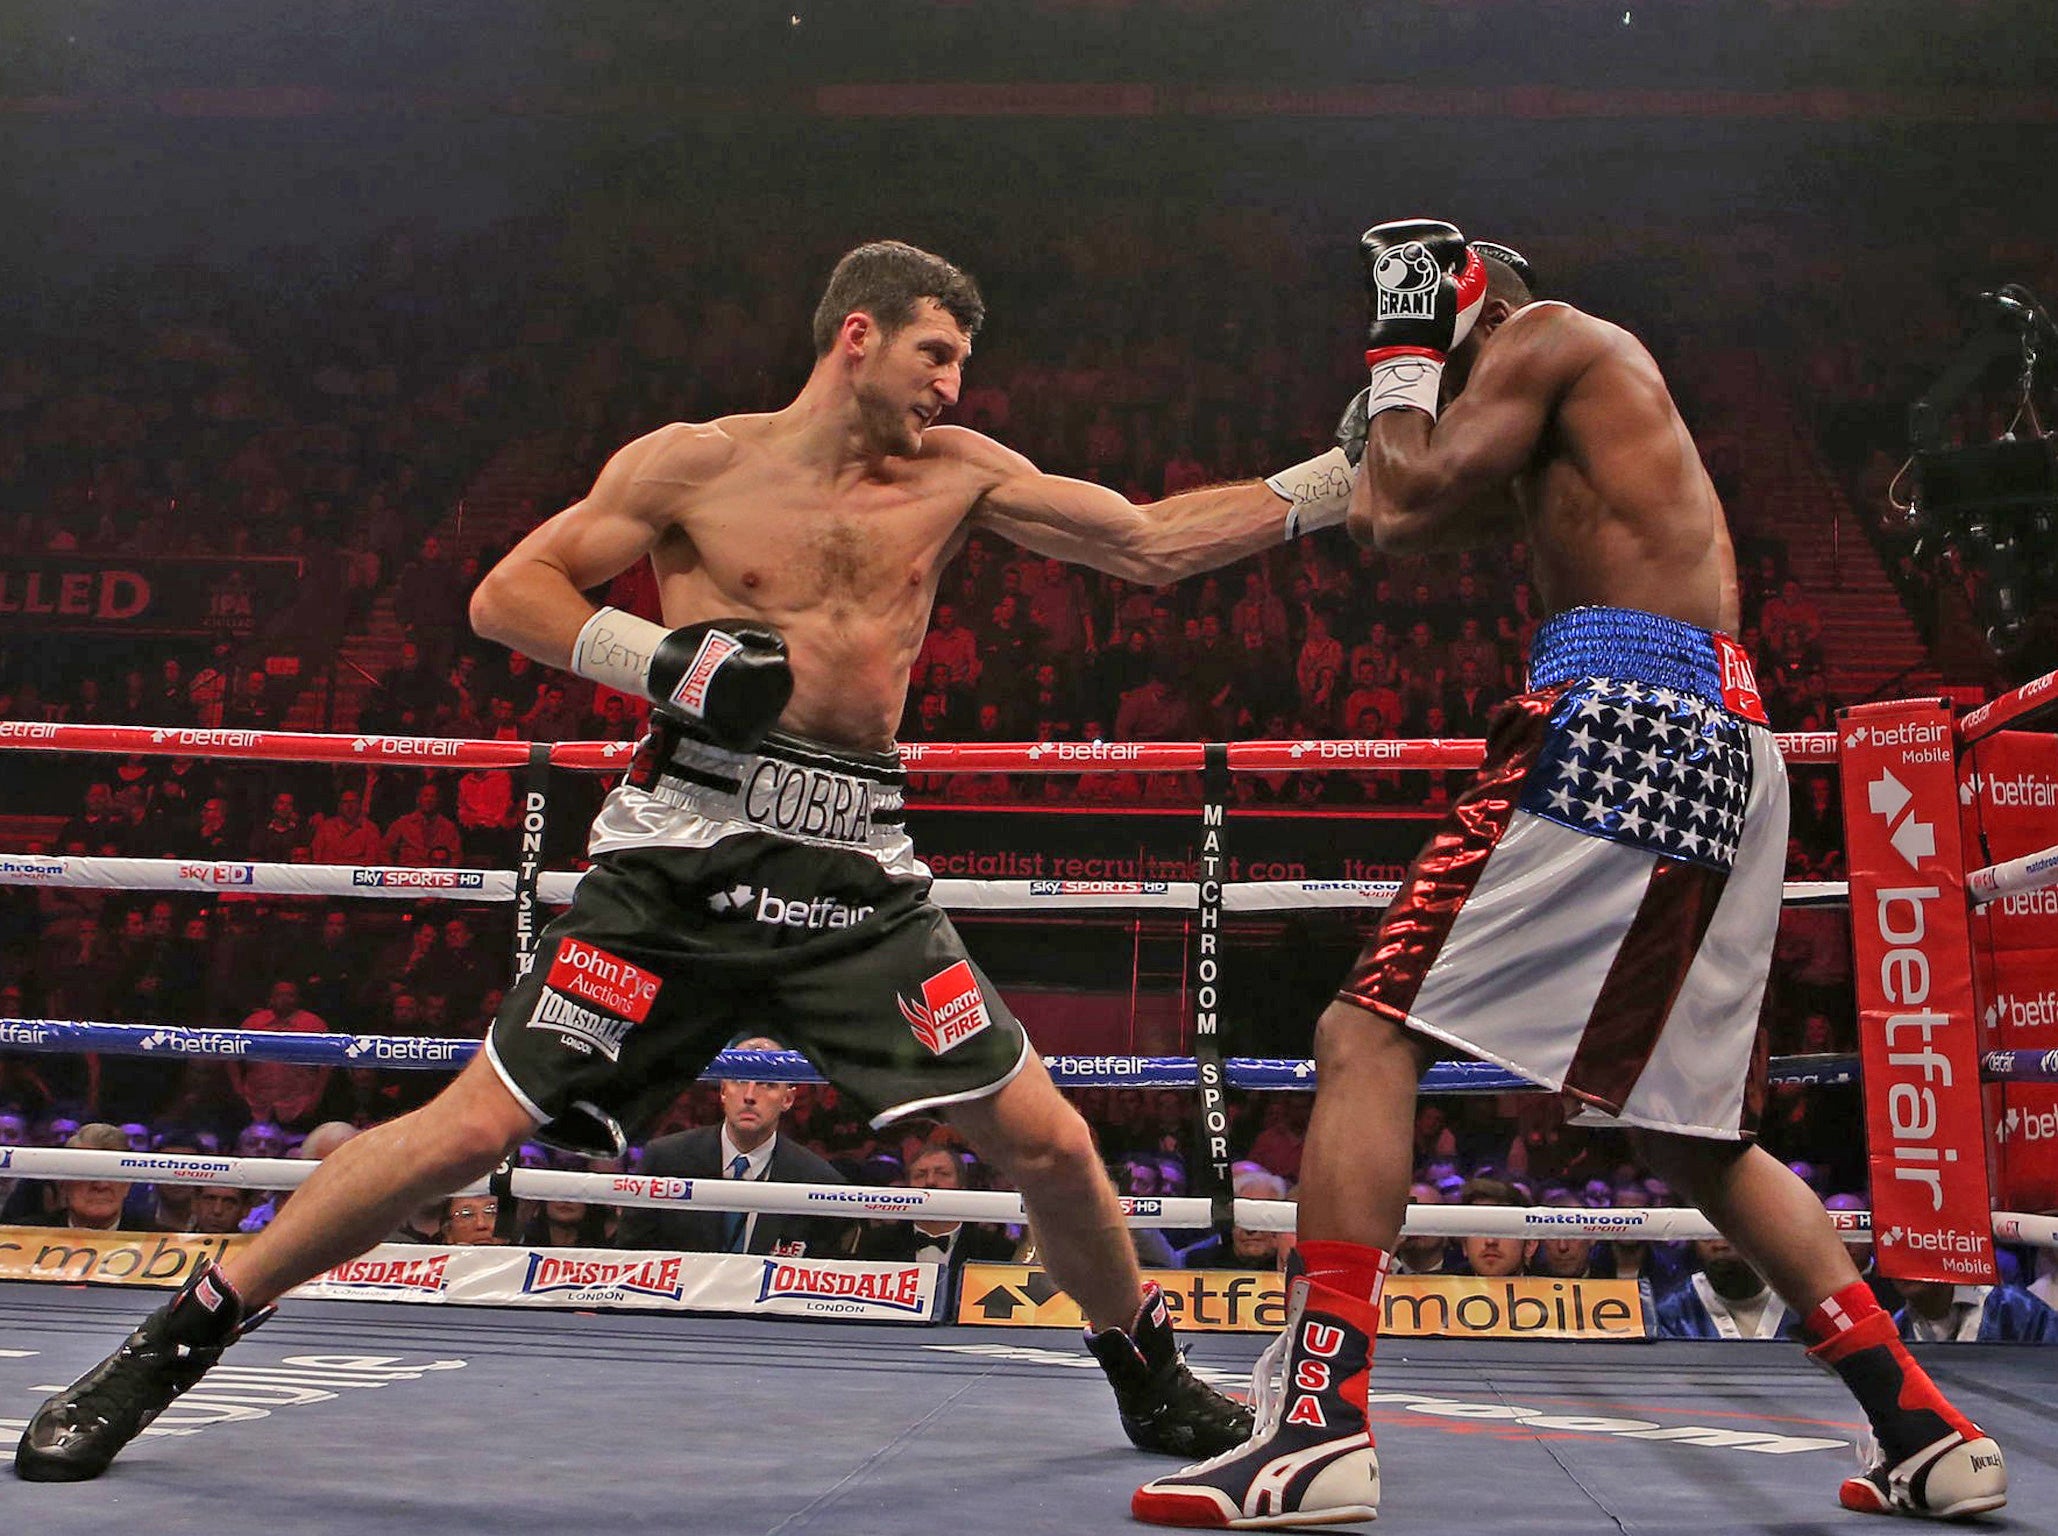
(728, 680)
(1426, 288)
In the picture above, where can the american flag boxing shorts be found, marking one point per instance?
(1598, 909)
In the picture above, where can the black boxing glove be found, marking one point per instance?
(1426, 288)
(728, 680)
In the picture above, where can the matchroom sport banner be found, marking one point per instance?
(1254, 1301)
(1925, 1125)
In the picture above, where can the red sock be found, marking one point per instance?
(1356, 1270)
(1852, 1335)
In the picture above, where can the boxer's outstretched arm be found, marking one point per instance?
(1088, 524)
(533, 600)
(1445, 484)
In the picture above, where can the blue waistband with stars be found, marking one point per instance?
(1628, 644)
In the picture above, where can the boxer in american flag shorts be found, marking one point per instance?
(1597, 911)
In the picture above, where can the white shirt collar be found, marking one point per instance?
(758, 1161)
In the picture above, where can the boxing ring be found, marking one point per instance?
(760, 1423)
(402, 1420)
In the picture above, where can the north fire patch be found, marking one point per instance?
(951, 1012)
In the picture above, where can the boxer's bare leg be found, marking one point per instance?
(1360, 1149)
(367, 1186)
(1031, 1134)
(1763, 1208)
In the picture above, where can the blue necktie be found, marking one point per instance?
(733, 1221)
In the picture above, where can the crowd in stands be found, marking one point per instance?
(194, 431)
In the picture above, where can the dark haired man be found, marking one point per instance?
(754, 864)
(1598, 910)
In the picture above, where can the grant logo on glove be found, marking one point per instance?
(1404, 283)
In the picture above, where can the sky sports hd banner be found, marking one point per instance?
(1925, 1124)
(1254, 1301)
(2008, 803)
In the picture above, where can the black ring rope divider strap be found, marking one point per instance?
(1212, 1176)
(500, 1184)
(528, 926)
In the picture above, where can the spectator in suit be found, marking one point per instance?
(949, 1243)
(746, 1145)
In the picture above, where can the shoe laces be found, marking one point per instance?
(1268, 1393)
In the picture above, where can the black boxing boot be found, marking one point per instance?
(1164, 1406)
(79, 1431)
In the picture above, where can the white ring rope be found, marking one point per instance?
(847, 1201)
(387, 882)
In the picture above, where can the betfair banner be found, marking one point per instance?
(105, 1258)
(1414, 1306)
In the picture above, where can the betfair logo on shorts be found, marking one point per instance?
(583, 1029)
(788, 912)
(951, 1011)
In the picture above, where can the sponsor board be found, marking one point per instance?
(1412, 1306)
(419, 879)
(1918, 1034)
(74, 1257)
(594, 1281)
(858, 1289)
(417, 1274)
(494, 1276)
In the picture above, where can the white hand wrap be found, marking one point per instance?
(615, 648)
(1318, 492)
(1408, 381)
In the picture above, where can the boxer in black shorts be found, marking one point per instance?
(704, 923)
(753, 873)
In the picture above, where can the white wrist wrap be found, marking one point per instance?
(1318, 492)
(615, 648)
(1406, 381)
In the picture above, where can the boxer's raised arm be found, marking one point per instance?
(532, 601)
(1159, 541)
(1444, 482)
